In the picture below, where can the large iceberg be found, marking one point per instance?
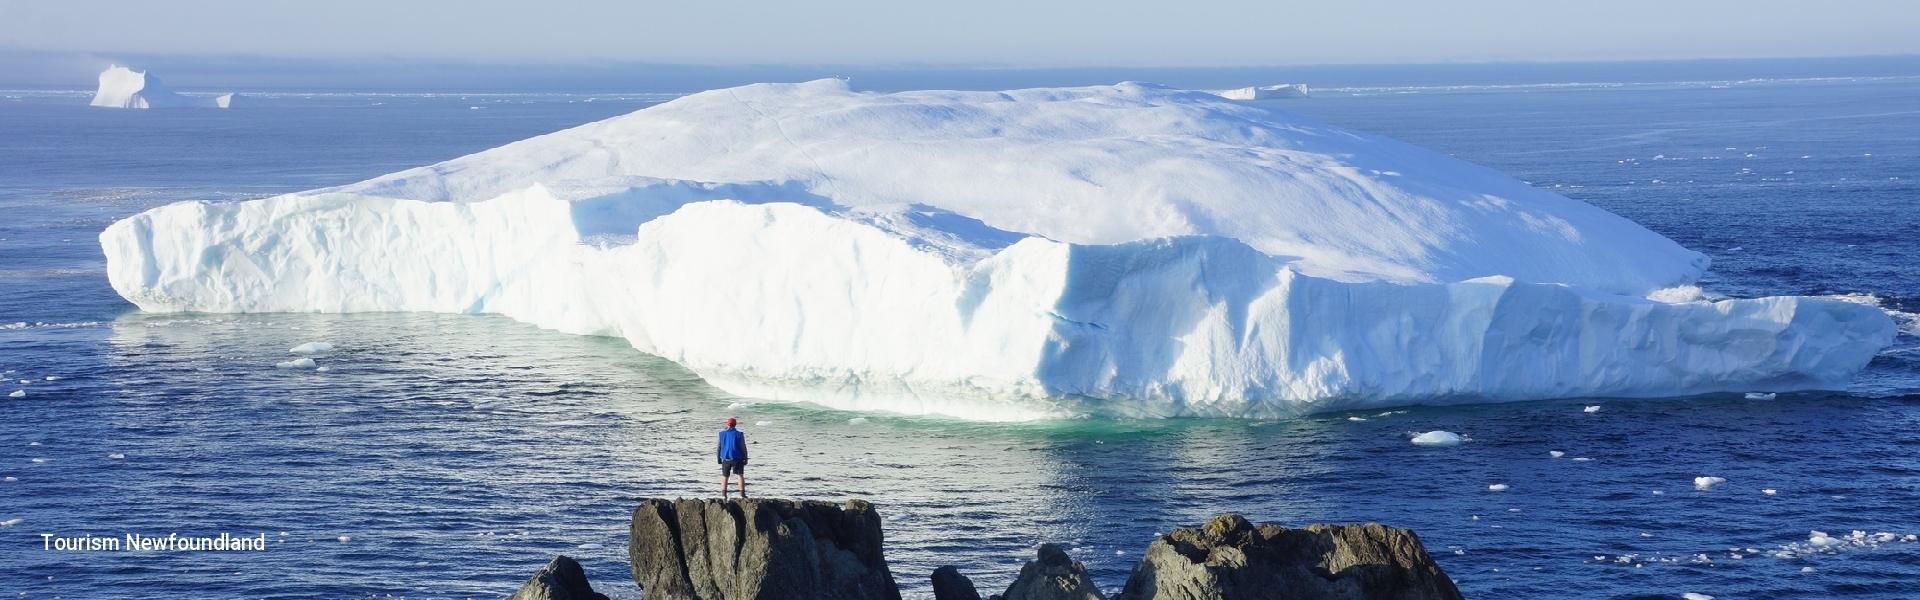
(121, 87)
(1128, 250)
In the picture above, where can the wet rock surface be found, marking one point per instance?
(561, 579)
(1232, 559)
(763, 549)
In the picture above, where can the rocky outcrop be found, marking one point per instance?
(760, 549)
(561, 579)
(949, 584)
(1232, 559)
(1052, 576)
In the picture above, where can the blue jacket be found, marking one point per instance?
(733, 445)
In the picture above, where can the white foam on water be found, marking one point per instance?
(1498, 487)
(1761, 396)
(39, 460)
(1556, 453)
(1593, 409)
(1356, 418)
(857, 421)
(1769, 492)
(740, 406)
(1581, 459)
(1438, 438)
(1705, 482)
(590, 546)
(1658, 492)
(312, 348)
(345, 538)
(763, 423)
(53, 377)
(298, 363)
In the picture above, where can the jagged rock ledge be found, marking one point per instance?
(773, 549)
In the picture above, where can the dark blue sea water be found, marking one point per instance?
(447, 456)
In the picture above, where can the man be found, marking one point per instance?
(732, 452)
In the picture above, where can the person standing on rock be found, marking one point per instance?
(732, 452)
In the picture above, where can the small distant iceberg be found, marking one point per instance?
(121, 87)
(1271, 92)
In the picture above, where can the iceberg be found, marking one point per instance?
(1269, 92)
(1129, 250)
(121, 87)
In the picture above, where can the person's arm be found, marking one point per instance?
(718, 440)
(743, 448)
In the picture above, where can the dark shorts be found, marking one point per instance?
(733, 467)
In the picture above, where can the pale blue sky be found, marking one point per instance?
(970, 32)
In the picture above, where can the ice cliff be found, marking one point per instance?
(121, 87)
(1129, 250)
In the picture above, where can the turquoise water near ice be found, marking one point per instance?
(456, 453)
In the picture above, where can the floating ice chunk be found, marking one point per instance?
(312, 348)
(53, 377)
(1806, 569)
(763, 423)
(1581, 459)
(38, 461)
(740, 406)
(1694, 596)
(298, 363)
(1556, 453)
(345, 538)
(12, 479)
(857, 421)
(12, 522)
(1707, 482)
(1498, 487)
(116, 456)
(1820, 538)
(1459, 552)
(1769, 491)
(321, 369)
(1513, 510)
(1646, 535)
(18, 394)
(1356, 418)
(1761, 396)
(1593, 409)
(1438, 438)
(590, 546)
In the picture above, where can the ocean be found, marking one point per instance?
(450, 456)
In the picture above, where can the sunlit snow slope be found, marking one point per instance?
(1124, 250)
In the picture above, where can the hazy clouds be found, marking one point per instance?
(977, 32)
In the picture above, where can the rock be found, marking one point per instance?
(1231, 559)
(759, 548)
(1053, 576)
(949, 584)
(561, 579)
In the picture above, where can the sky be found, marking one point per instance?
(1002, 33)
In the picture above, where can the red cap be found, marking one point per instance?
(731, 421)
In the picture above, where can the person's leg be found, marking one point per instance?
(742, 474)
(723, 482)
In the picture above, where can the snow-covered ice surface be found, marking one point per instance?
(1126, 250)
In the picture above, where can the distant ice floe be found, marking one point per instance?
(857, 421)
(1556, 453)
(116, 456)
(1761, 396)
(1592, 409)
(740, 406)
(1438, 438)
(1695, 596)
(1498, 487)
(298, 363)
(1268, 92)
(12, 522)
(1705, 482)
(312, 348)
(18, 394)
